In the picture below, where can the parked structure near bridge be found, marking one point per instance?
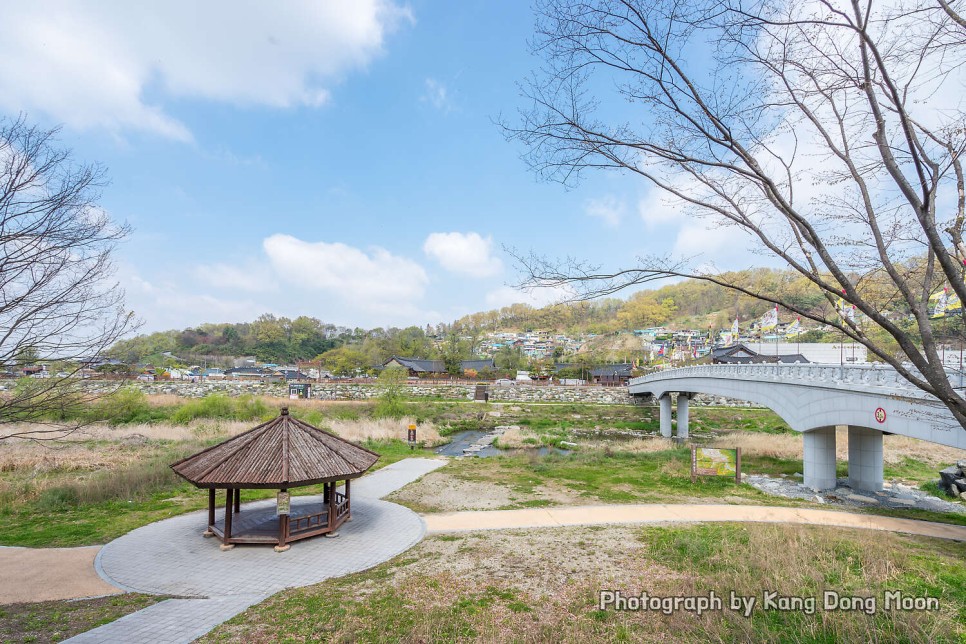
(871, 400)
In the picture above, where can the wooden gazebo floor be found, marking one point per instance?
(261, 525)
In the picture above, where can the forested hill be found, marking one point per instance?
(687, 304)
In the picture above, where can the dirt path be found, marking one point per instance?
(44, 574)
(668, 513)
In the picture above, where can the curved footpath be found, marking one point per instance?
(680, 513)
(170, 557)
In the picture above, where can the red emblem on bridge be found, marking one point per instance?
(880, 414)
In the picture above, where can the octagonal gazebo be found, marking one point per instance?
(281, 454)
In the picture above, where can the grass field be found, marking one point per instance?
(114, 478)
(56, 621)
(97, 487)
(518, 585)
(543, 585)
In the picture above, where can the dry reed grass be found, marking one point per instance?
(103, 447)
(515, 437)
(634, 445)
(383, 429)
(70, 457)
(790, 446)
(273, 402)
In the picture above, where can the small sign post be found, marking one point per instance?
(411, 436)
(708, 461)
(283, 503)
(299, 390)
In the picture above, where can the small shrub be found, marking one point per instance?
(391, 401)
(347, 413)
(58, 498)
(219, 405)
(126, 405)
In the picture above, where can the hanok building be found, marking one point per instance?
(417, 366)
(282, 454)
(743, 354)
(612, 375)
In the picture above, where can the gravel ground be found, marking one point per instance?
(893, 495)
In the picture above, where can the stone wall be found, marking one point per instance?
(366, 391)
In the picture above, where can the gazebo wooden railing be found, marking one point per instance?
(283, 453)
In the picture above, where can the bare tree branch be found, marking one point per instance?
(58, 301)
(827, 145)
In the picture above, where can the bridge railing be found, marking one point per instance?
(871, 375)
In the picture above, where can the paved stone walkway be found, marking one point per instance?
(392, 477)
(169, 622)
(683, 513)
(171, 557)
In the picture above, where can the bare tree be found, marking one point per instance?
(57, 299)
(830, 132)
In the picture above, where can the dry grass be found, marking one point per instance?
(515, 437)
(273, 402)
(542, 585)
(634, 445)
(790, 446)
(71, 457)
(29, 467)
(383, 429)
(165, 400)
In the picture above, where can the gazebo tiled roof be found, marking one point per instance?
(282, 453)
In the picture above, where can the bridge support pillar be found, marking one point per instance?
(683, 416)
(819, 461)
(665, 402)
(865, 459)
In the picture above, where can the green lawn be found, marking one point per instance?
(55, 621)
(60, 517)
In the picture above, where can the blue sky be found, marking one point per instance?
(332, 159)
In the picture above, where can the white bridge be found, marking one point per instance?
(814, 399)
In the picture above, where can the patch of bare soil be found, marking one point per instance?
(537, 562)
(441, 491)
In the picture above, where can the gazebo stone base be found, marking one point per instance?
(226, 546)
(207, 533)
(282, 548)
(330, 535)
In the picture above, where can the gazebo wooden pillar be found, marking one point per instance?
(283, 453)
(226, 536)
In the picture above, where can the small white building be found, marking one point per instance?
(820, 352)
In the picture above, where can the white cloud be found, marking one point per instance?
(465, 253)
(608, 209)
(437, 95)
(536, 297)
(659, 207)
(367, 279)
(253, 277)
(169, 305)
(726, 247)
(107, 64)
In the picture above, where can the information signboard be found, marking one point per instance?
(716, 461)
(283, 503)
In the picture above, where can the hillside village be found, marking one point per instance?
(676, 324)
